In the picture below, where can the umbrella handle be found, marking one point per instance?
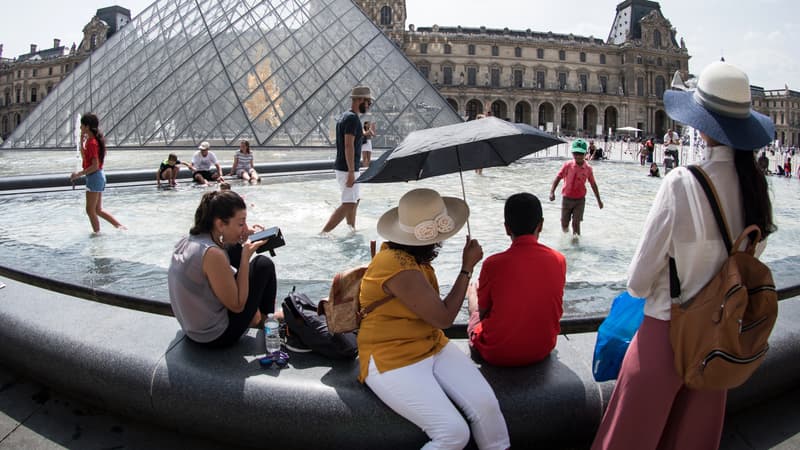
(464, 195)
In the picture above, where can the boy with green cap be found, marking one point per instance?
(575, 173)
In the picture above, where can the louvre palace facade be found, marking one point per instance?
(563, 83)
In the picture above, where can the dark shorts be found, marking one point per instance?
(162, 169)
(572, 208)
(207, 174)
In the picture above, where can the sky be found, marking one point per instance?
(759, 36)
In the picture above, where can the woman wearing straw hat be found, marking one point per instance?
(405, 357)
(650, 407)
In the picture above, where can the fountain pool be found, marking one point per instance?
(47, 233)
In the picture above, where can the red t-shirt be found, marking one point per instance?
(575, 177)
(522, 288)
(91, 149)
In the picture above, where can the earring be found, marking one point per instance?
(222, 239)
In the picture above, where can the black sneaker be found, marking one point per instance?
(294, 344)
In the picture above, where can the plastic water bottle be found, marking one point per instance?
(272, 337)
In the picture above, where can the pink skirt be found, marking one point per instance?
(651, 408)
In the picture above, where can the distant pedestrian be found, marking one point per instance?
(349, 138)
(671, 142)
(575, 174)
(654, 172)
(93, 153)
(366, 146)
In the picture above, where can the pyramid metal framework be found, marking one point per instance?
(278, 73)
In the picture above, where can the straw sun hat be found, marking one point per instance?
(720, 107)
(423, 217)
(362, 92)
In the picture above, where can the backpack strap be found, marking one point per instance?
(716, 207)
(719, 216)
(372, 306)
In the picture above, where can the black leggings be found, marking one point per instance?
(263, 287)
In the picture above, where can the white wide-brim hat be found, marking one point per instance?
(204, 145)
(423, 217)
(721, 108)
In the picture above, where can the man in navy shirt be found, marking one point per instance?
(349, 137)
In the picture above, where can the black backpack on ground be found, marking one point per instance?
(303, 322)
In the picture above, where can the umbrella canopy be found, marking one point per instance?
(476, 144)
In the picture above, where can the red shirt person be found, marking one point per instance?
(575, 173)
(516, 308)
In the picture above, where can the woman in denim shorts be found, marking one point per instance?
(93, 152)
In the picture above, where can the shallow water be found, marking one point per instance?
(48, 233)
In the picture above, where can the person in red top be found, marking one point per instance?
(575, 173)
(516, 307)
(93, 152)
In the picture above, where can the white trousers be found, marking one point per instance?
(419, 392)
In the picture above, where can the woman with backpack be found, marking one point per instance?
(651, 407)
(404, 356)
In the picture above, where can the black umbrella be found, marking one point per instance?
(476, 144)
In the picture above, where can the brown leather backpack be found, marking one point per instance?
(719, 337)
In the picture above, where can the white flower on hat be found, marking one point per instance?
(429, 229)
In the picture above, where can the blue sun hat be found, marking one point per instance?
(720, 107)
(579, 146)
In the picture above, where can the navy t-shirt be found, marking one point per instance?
(348, 123)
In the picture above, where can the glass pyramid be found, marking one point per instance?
(275, 72)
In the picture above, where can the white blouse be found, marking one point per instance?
(680, 224)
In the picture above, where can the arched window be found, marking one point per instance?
(17, 120)
(4, 126)
(657, 39)
(386, 15)
(34, 92)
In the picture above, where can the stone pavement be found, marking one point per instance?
(34, 417)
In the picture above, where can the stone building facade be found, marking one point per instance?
(27, 79)
(564, 83)
(783, 106)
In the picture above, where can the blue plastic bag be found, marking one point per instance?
(615, 334)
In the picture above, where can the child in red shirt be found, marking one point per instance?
(517, 306)
(575, 173)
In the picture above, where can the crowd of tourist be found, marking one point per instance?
(218, 288)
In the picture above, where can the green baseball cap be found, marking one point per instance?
(579, 146)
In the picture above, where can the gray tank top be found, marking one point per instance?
(201, 315)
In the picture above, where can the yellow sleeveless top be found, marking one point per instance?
(392, 334)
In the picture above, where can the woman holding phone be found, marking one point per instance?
(214, 298)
